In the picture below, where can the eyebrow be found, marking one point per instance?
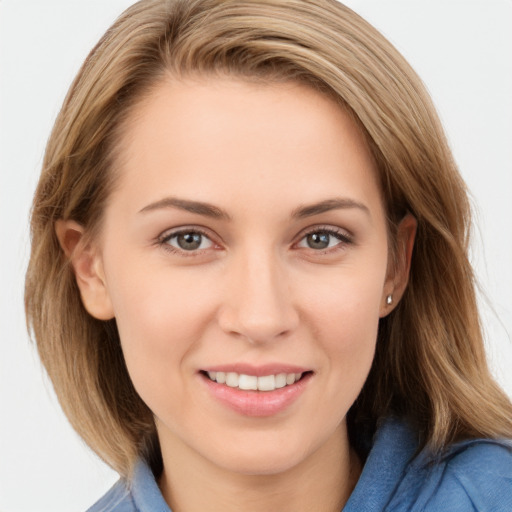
(209, 210)
(329, 204)
(200, 208)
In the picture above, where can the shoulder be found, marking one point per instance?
(117, 499)
(140, 493)
(477, 473)
(473, 476)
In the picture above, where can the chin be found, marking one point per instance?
(275, 463)
(264, 456)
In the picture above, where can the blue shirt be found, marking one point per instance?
(474, 475)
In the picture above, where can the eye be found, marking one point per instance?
(322, 239)
(187, 241)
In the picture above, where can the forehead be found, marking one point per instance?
(191, 136)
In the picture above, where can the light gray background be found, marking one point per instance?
(461, 49)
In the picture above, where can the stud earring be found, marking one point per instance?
(389, 300)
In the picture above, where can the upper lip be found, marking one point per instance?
(256, 370)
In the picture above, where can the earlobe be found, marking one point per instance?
(398, 278)
(88, 268)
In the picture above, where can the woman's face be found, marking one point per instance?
(246, 242)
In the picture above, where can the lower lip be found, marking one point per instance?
(257, 403)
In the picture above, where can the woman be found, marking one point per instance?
(250, 248)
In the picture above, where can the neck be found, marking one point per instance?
(322, 482)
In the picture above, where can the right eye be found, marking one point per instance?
(186, 241)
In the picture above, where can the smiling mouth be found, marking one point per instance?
(262, 395)
(253, 383)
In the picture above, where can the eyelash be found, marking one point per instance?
(343, 237)
(163, 241)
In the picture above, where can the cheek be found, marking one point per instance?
(349, 335)
(345, 317)
(160, 318)
(154, 306)
(347, 305)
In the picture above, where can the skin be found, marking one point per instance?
(255, 291)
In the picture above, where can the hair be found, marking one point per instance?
(430, 365)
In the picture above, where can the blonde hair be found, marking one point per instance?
(430, 364)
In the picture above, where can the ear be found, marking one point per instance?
(398, 271)
(88, 268)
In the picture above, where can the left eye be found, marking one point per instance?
(189, 241)
(321, 240)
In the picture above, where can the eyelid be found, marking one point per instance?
(343, 235)
(168, 234)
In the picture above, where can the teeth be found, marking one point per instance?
(281, 380)
(251, 382)
(267, 383)
(232, 379)
(248, 382)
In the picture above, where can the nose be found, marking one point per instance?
(258, 305)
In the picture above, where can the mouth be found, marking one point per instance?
(247, 382)
(263, 395)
